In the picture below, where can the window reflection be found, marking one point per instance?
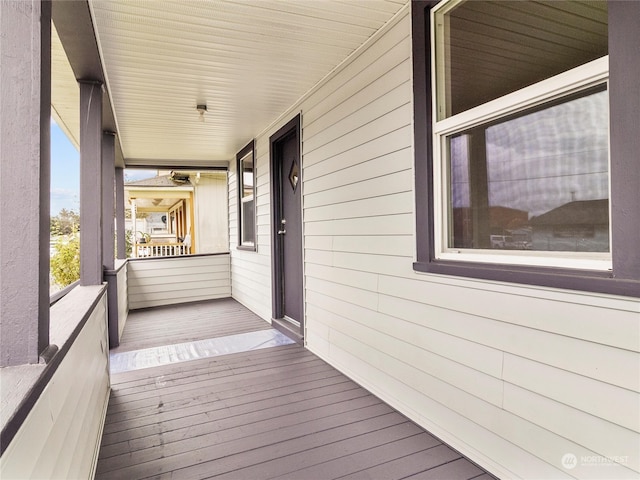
(537, 181)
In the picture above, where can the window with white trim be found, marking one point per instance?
(522, 151)
(512, 127)
(246, 198)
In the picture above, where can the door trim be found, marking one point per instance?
(277, 314)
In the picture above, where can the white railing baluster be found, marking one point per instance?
(147, 250)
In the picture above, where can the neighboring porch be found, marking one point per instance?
(263, 413)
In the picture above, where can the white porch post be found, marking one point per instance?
(25, 103)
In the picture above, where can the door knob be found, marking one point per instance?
(283, 222)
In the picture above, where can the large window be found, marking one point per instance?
(515, 176)
(246, 198)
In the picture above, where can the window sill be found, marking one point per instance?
(562, 278)
(562, 260)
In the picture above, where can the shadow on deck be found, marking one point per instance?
(276, 412)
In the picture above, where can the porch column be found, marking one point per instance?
(90, 183)
(120, 228)
(108, 199)
(25, 103)
(108, 234)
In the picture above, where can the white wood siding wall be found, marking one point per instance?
(515, 377)
(251, 271)
(165, 281)
(61, 435)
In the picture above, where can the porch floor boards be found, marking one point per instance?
(279, 412)
(153, 327)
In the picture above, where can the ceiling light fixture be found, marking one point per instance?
(201, 108)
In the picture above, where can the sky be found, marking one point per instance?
(541, 160)
(65, 172)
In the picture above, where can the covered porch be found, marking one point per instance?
(254, 405)
(309, 109)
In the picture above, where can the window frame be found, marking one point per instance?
(624, 67)
(249, 149)
(556, 90)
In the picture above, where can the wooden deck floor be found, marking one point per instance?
(279, 412)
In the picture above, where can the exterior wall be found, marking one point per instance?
(515, 377)
(211, 213)
(60, 437)
(165, 281)
(251, 271)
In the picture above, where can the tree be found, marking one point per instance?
(67, 222)
(65, 264)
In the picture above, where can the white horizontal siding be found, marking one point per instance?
(61, 435)
(515, 377)
(251, 270)
(167, 281)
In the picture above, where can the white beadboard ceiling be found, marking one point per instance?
(247, 60)
(65, 93)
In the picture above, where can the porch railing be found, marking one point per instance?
(145, 250)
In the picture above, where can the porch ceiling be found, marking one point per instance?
(247, 60)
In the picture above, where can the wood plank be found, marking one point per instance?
(234, 424)
(566, 388)
(250, 409)
(584, 317)
(259, 414)
(201, 391)
(155, 419)
(333, 113)
(314, 456)
(386, 146)
(220, 455)
(399, 117)
(374, 207)
(460, 468)
(345, 462)
(176, 371)
(176, 324)
(457, 349)
(261, 380)
(303, 438)
(407, 465)
(375, 187)
(594, 360)
(370, 109)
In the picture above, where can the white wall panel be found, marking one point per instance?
(166, 281)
